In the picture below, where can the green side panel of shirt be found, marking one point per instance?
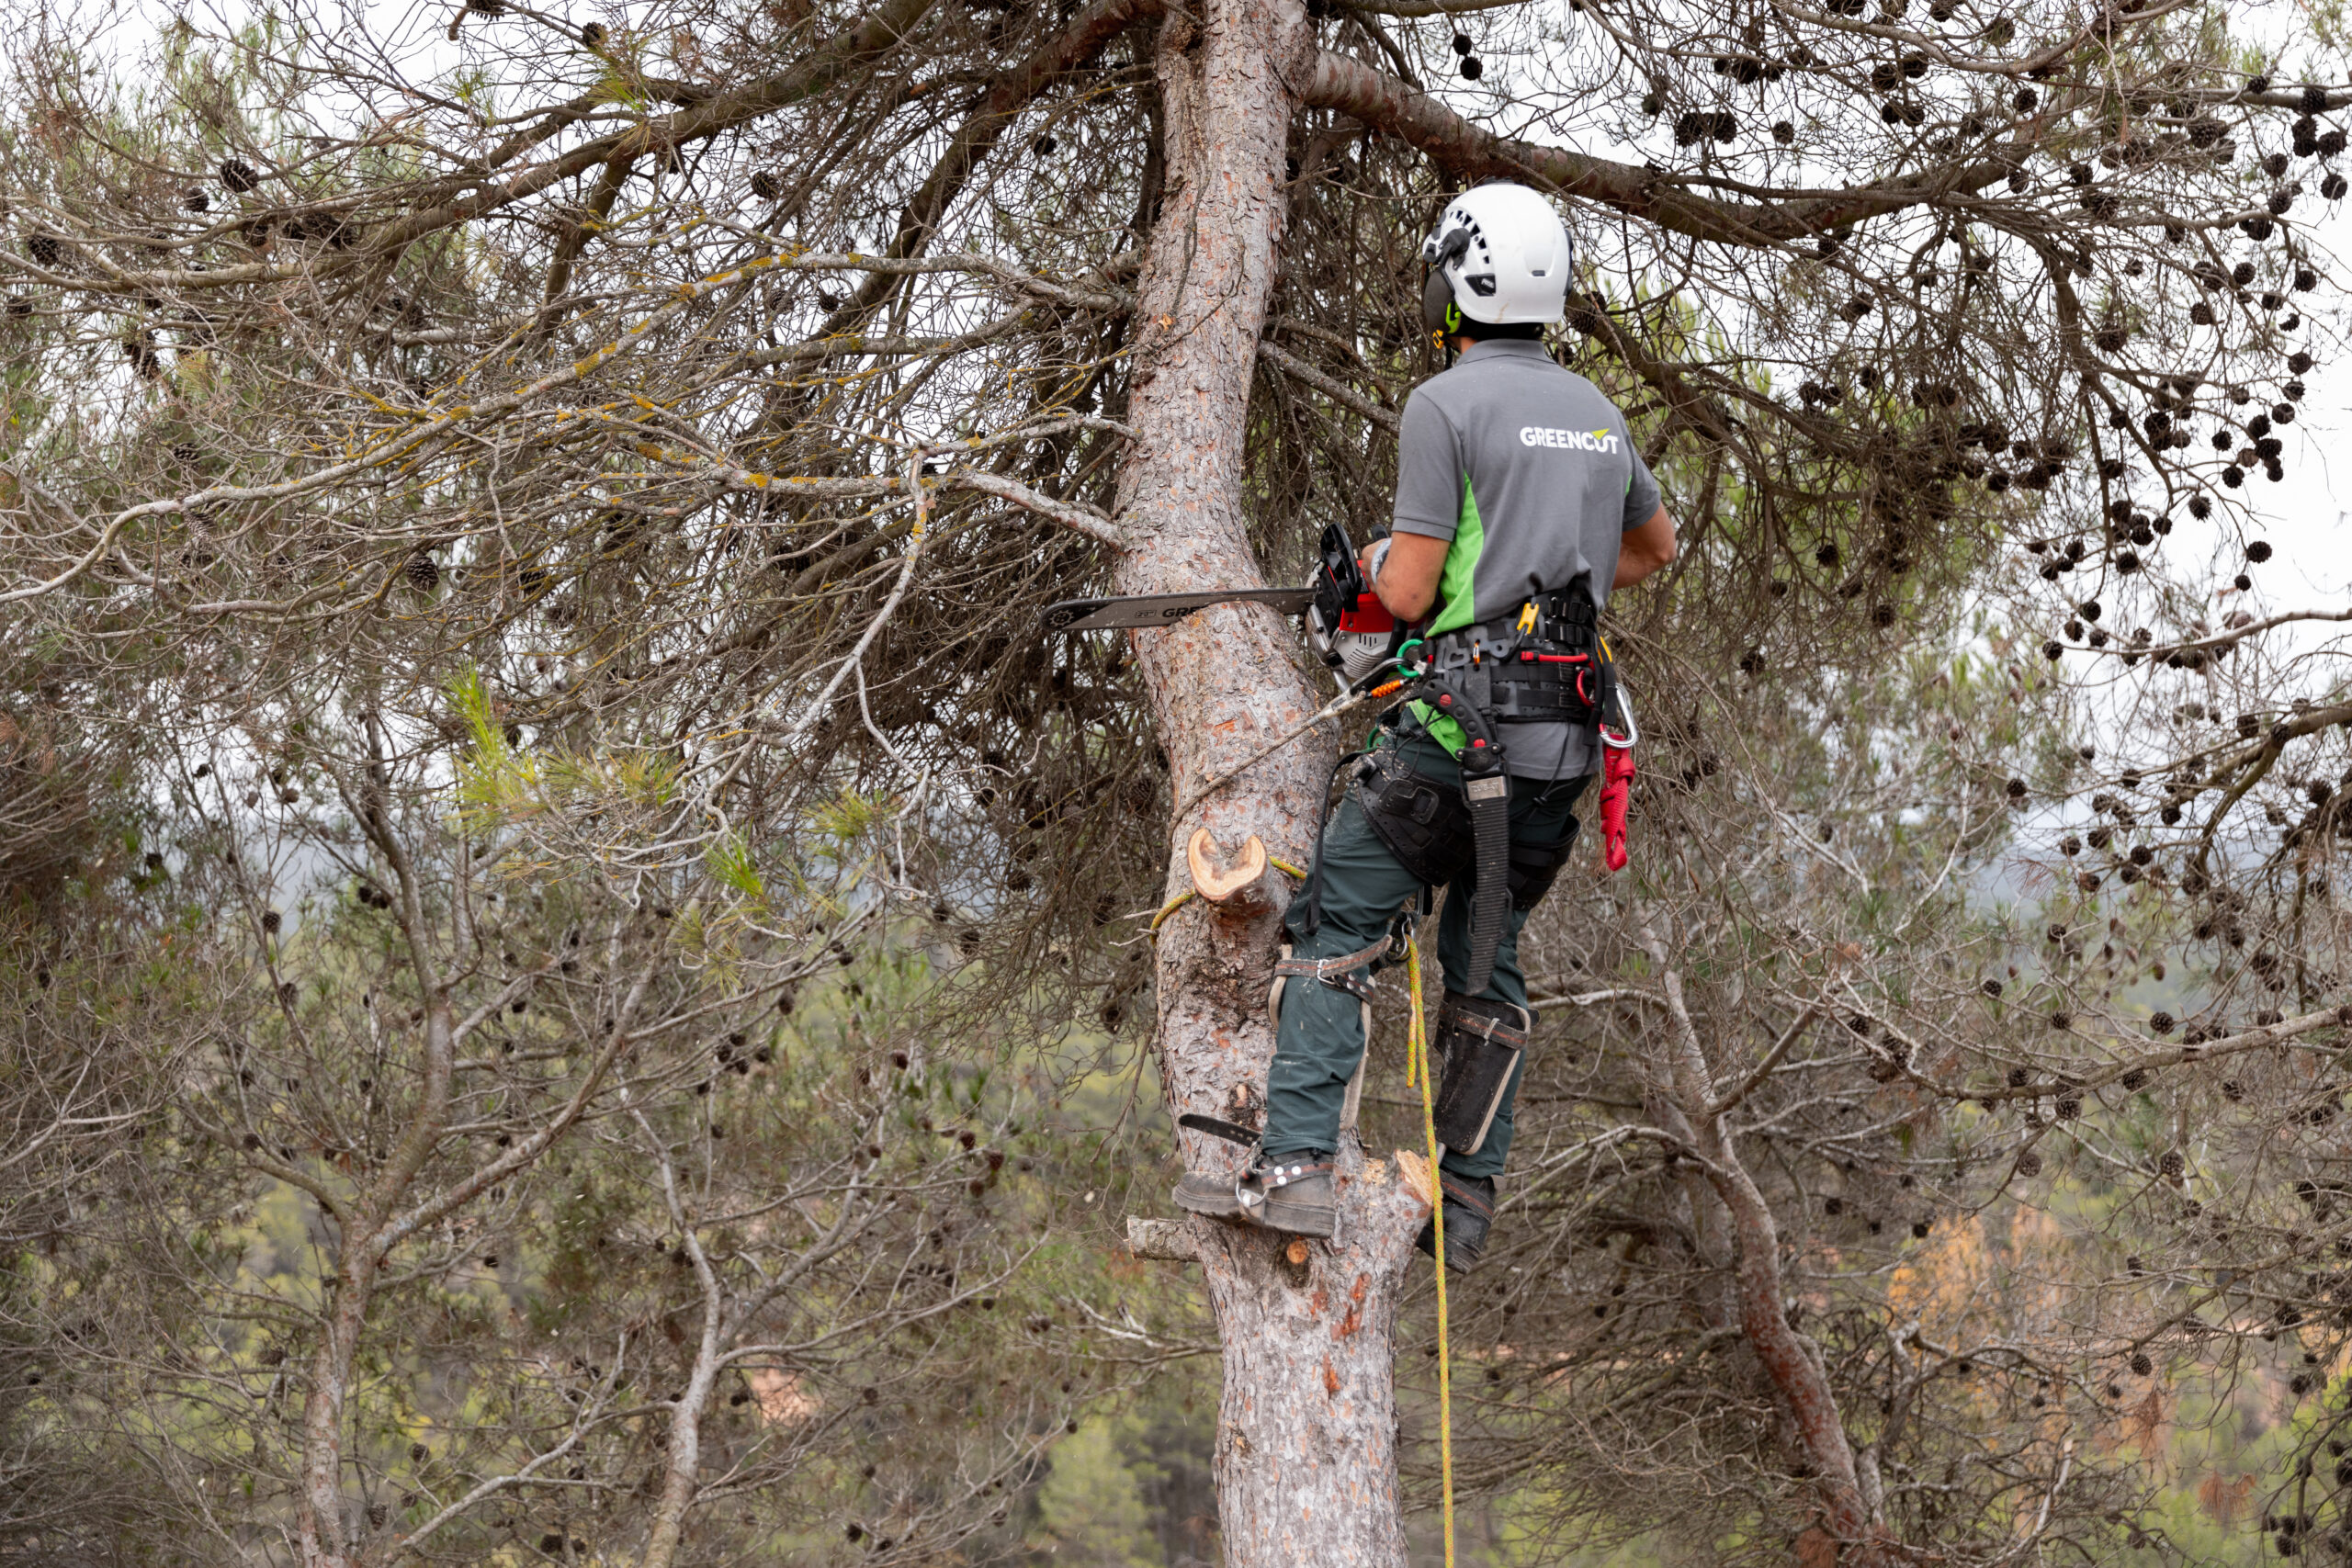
(1457, 590)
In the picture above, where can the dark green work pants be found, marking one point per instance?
(1320, 1038)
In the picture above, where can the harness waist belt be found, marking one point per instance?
(1526, 693)
(1544, 665)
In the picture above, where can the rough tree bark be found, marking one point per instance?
(1305, 1458)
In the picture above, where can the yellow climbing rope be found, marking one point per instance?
(1417, 1070)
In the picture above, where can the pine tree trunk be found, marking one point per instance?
(1305, 1458)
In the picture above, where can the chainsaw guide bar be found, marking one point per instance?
(1162, 609)
(1218, 1126)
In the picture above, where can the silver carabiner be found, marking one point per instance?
(1632, 729)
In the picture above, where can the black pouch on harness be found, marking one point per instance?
(1425, 824)
(1481, 1042)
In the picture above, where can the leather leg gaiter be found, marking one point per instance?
(1481, 1042)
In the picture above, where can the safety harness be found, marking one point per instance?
(1547, 664)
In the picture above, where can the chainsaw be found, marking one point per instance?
(1347, 624)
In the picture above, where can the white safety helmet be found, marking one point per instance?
(1500, 255)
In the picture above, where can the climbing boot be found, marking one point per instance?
(1291, 1195)
(1469, 1209)
(1205, 1192)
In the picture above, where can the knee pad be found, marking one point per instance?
(1480, 1043)
(1533, 867)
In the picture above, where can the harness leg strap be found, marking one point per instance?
(1482, 1040)
(1345, 974)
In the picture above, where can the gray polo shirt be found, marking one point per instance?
(1532, 475)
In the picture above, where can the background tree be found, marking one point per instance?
(654, 435)
(483, 1212)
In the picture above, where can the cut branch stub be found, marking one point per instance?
(1237, 891)
(1414, 1169)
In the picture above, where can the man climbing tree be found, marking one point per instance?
(1519, 490)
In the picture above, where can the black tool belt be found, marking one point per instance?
(1542, 665)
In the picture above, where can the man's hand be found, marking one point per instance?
(1644, 549)
(1405, 575)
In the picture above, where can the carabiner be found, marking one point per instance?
(1632, 729)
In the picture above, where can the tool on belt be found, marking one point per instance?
(1617, 742)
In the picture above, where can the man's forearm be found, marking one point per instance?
(1644, 549)
(1405, 575)
(1632, 567)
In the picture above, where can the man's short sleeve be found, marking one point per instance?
(1429, 471)
(1641, 496)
